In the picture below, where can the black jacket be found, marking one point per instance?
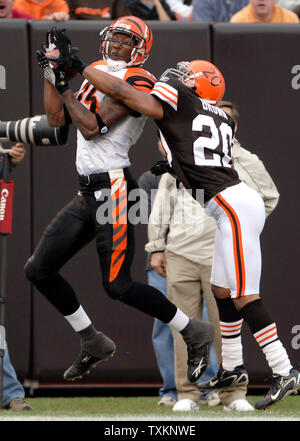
(138, 9)
(11, 166)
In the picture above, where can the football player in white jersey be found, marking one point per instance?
(197, 137)
(106, 131)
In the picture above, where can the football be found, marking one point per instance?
(54, 54)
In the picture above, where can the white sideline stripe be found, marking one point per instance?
(154, 418)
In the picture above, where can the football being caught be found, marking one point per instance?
(54, 55)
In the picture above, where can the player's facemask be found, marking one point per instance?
(184, 73)
(110, 37)
(140, 41)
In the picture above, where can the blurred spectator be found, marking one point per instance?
(297, 10)
(181, 9)
(44, 10)
(264, 11)
(7, 10)
(216, 10)
(97, 9)
(151, 10)
(288, 4)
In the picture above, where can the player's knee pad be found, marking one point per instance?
(28, 269)
(32, 272)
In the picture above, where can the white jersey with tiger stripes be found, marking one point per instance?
(109, 151)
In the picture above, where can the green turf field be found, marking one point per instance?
(142, 409)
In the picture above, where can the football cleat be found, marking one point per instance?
(87, 361)
(225, 379)
(198, 335)
(280, 388)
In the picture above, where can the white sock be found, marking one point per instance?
(274, 350)
(232, 349)
(179, 321)
(79, 320)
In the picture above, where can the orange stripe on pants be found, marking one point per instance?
(237, 244)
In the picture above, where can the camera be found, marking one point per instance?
(35, 130)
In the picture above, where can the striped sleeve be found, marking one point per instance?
(167, 93)
(140, 79)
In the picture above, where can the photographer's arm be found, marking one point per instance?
(16, 153)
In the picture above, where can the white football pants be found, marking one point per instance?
(240, 215)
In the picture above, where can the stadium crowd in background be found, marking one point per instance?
(97, 9)
(216, 10)
(57, 10)
(151, 10)
(8, 10)
(235, 11)
(266, 11)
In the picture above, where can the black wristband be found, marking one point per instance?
(102, 126)
(62, 87)
(81, 68)
(78, 65)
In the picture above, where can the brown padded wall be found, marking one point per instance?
(15, 104)
(55, 183)
(257, 61)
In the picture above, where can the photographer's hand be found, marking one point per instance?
(17, 153)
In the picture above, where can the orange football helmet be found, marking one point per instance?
(141, 38)
(203, 77)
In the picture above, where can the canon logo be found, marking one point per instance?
(4, 195)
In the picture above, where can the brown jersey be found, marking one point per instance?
(197, 137)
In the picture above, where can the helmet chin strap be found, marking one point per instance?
(115, 65)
